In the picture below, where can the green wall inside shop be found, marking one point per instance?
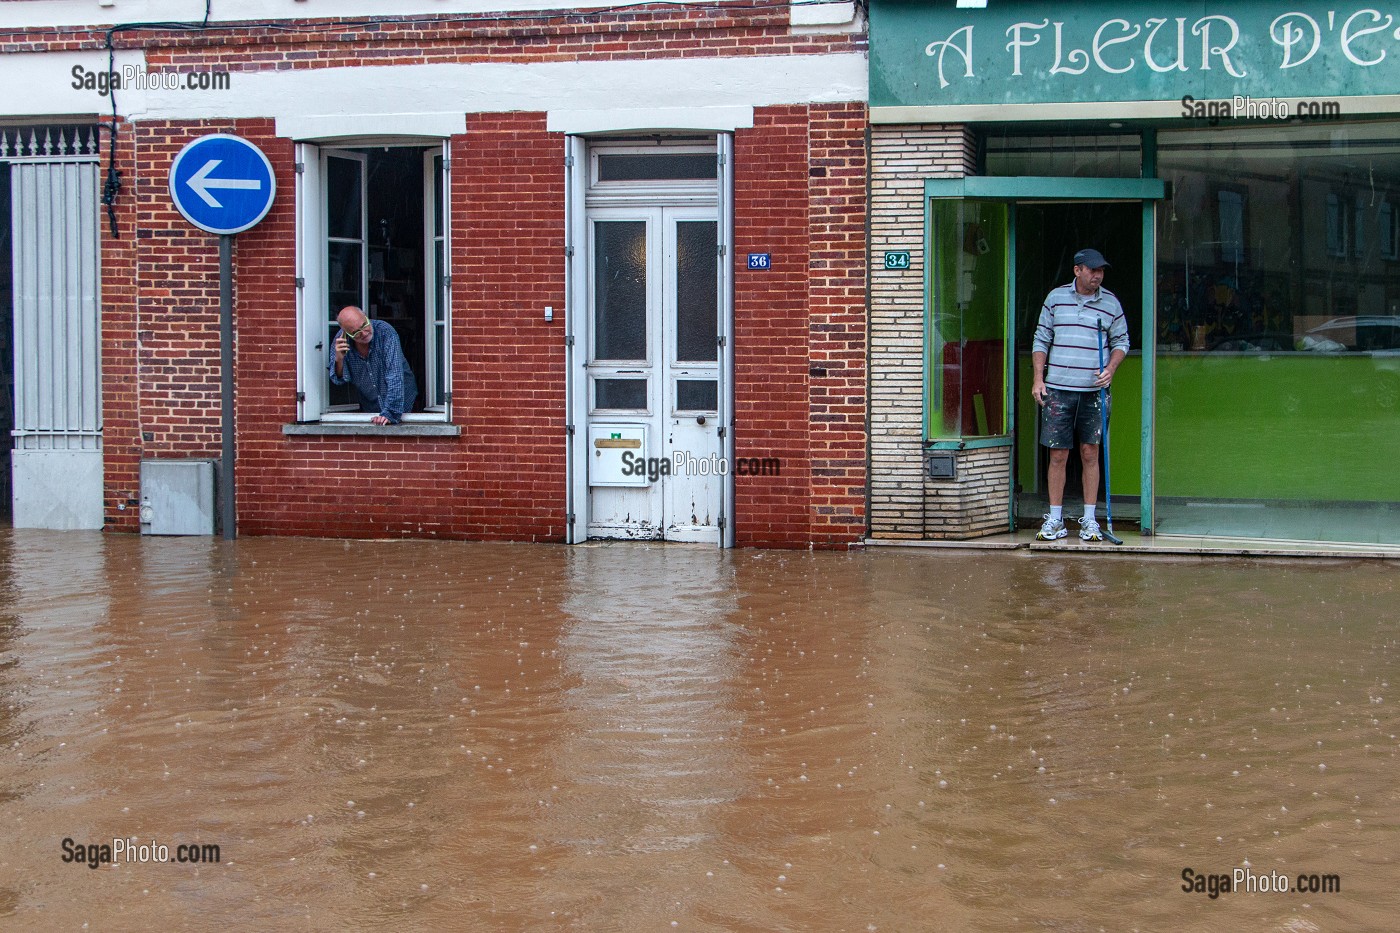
(1289, 426)
(1125, 431)
(1294, 426)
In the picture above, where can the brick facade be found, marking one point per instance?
(799, 329)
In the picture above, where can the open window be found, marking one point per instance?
(372, 229)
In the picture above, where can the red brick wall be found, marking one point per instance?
(799, 327)
(837, 331)
(503, 478)
(771, 327)
(508, 364)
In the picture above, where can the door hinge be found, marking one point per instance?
(301, 396)
(722, 158)
(568, 340)
(721, 524)
(569, 251)
(569, 163)
(301, 282)
(720, 340)
(447, 398)
(572, 519)
(569, 430)
(301, 168)
(723, 250)
(723, 431)
(446, 165)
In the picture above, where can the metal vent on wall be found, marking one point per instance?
(177, 497)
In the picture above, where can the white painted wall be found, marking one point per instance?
(108, 12)
(105, 13)
(345, 101)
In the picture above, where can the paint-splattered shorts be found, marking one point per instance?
(1067, 414)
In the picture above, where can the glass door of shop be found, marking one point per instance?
(1047, 235)
(997, 247)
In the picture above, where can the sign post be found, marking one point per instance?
(225, 185)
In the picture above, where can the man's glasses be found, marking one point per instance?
(352, 334)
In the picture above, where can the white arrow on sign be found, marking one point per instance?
(200, 182)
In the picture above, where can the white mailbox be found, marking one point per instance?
(617, 455)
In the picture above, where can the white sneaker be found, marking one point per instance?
(1089, 530)
(1051, 529)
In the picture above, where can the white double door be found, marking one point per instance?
(655, 382)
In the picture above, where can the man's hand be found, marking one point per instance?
(379, 419)
(342, 346)
(1104, 377)
(1039, 392)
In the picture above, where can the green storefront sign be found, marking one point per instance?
(927, 55)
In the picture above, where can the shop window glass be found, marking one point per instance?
(1064, 155)
(1278, 311)
(1336, 226)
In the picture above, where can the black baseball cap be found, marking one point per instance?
(1091, 258)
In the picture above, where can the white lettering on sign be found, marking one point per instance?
(940, 49)
(1288, 32)
(1100, 43)
(1348, 37)
(1202, 29)
(1018, 42)
(1180, 63)
(1116, 46)
(1074, 57)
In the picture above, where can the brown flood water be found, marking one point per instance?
(415, 735)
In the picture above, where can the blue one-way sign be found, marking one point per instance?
(222, 183)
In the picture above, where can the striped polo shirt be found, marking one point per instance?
(1066, 334)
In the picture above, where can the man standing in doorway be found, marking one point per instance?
(1076, 320)
(368, 355)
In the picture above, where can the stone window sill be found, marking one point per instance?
(361, 429)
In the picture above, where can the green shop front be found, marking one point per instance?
(1239, 166)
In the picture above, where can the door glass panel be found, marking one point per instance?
(697, 291)
(677, 167)
(697, 395)
(620, 290)
(620, 393)
(967, 353)
(343, 207)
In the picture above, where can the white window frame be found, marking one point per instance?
(312, 301)
(622, 192)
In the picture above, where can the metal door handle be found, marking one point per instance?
(699, 419)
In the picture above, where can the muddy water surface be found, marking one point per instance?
(499, 737)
